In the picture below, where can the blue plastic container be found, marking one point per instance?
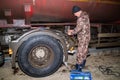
(77, 75)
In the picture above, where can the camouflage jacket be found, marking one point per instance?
(82, 28)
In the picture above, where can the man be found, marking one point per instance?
(82, 30)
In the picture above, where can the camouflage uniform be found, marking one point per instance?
(82, 30)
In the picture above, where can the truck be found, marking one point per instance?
(35, 31)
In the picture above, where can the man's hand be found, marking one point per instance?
(70, 32)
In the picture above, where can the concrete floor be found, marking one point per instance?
(105, 58)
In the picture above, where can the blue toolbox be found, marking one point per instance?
(77, 75)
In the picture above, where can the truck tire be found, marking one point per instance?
(40, 56)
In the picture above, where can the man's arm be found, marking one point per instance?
(78, 27)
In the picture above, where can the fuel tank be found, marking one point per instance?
(59, 10)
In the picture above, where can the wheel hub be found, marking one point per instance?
(40, 53)
(41, 56)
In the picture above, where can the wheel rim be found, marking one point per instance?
(41, 56)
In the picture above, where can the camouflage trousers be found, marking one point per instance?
(82, 51)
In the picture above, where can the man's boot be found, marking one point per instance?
(83, 63)
(80, 66)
